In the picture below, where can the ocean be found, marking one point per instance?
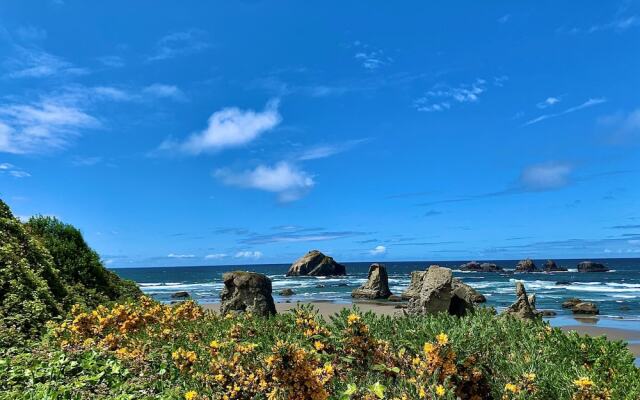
(616, 292)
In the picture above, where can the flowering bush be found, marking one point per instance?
(150, 350)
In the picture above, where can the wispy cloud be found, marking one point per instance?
(297, 234)
(284, 179)
(161, 90)
(589, 103)
(545, 176)
(41, 126)
(216, 256)
(504, 19)
(10, 169)
(628, 226)
(328, 150)
(229, 127)
(172, 255)
(370, 57)
(249, 254)
(443, 97)
(622, 128)
(33, 62)
(179, 43)
(80, 161)
(112, 61)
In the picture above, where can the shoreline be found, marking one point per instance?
(584, 326)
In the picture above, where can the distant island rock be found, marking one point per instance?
(526, 266)
(590, 266)
(551, 266)
(478, 267)
(314, 263)
(180, 295)
(377, 285)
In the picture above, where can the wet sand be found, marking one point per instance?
(327, 309)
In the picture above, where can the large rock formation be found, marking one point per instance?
(571, 302)
(314, 263)
(522, 308)
(435, 290)
(526, 266)
(585, 308)
(377, 285)
(551, 266)
(590, 266)
(477, 267)
(247, 291)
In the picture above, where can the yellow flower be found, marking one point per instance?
(328, 369)
(442, 338)
(428, 348)
(319, 346)
(440, 391)
(510, 387)
(530, 377)
(583, 382)
(191, 395)
(353, 318)
(214, 344)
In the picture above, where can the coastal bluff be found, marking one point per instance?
(315, 263)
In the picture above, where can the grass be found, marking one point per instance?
(147, 350)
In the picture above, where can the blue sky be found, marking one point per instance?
(252, 131)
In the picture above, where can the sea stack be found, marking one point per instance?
(314, 263)
(377, 285)
(526, 266)
(590, 266)
(247, 291)
(477, 267)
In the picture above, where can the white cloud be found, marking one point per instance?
(172, 255)
(112, 61)
(286, 180)
(230, 127)
(216, 256)
(442, 98)
(618, 25)
(113, 93)
(36, 63)
(41, 126)
(546, 176)
(6, 168)
(548, 102)
(589, 103)
(371, 58)
(249, 254)
(163, 90)
(378, 250)
(179, 43)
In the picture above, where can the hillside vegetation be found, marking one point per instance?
(45, 268)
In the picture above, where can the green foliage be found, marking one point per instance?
(45, 268)
(88, 281)
(543, 363)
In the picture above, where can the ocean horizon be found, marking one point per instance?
(616, 292)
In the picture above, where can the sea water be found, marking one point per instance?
(616, 292)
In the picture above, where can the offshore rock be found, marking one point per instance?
(590, 266)
(314, 263)
(522, 308)
(247, 292)
(377, 285)
(526, 266)
(439, 292)
(477, 267)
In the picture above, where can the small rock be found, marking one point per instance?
(319, 286)
(180, 295)
(477, 267)
(564, 283)
(394, 298)
(547, 313)
(585, 308)
(590, 266)
(377, 285)
(551, 266)
(286, 292)
(569, 303)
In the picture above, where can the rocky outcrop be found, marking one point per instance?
(570, 302)
(247, 291)
(435, 290)
(314, 263)
(286, 292)
(466, 292)
(377, 285)
(477, 267)
(551, 266)
(526, 266)
(585, 308)
(522, 308)
(180, 295)
(590, 266)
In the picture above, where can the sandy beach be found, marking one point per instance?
(327, 309)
